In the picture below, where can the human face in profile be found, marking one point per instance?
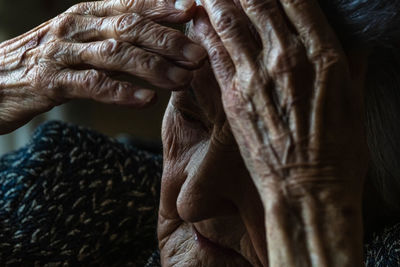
(210, 212)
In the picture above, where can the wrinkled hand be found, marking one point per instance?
(76, 54)
(296, 110)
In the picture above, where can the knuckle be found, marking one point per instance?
(46, 82)
(297, 3)
(117, 92)
(126, 23)
(94, 81)
(127, 4)
(248, 4)
(149, 61)
(282, 61)
(63, 24)
(50, 50)
(78, 8)
(167, 39)
(219, 61)
(36, 75)
(232, 103)
(268, 7)
(86, 8)
(83, 8)
(216, 53)
(55, 89)
(226, 20)
(208, 33)
(326, 57)
(203, 33)
(112, 49)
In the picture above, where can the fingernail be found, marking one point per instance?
(179, 75)
(194, 52)
(144, 95)
(183, 4)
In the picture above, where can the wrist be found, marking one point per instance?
(310, 227)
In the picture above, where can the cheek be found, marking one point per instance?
(180, 143)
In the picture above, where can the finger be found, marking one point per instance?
(179, 11)
(326, 54)
(312, 26)
(136, 30)
(221, 63)
(285, 60)
(112, 55)
(93, 84)
(224, 71)
(267, 17)
(230, 25)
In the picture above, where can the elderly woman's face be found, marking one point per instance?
(210, 212)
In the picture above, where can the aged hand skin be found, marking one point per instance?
(295, 108)
(76, 54)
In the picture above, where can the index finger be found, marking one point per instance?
(313, 27)
(231, 26)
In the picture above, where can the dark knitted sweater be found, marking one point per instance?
(73, 197)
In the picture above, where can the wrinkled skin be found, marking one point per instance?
(264, 164)
(206, 185)
(294, 107)
(76, 55)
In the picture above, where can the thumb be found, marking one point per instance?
(204, 34)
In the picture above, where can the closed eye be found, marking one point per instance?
(187, 116)
(191, 119)
(186, 106)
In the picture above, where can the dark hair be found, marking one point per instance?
(376, 24)
(365, 22)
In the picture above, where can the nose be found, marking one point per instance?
(208, 191)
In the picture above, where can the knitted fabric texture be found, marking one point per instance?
(73, 197)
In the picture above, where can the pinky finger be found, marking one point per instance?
(96, 85)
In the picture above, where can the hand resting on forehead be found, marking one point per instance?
(276, 135)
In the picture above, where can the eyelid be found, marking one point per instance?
(191, 118)
(187, 103)
(185, 113)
